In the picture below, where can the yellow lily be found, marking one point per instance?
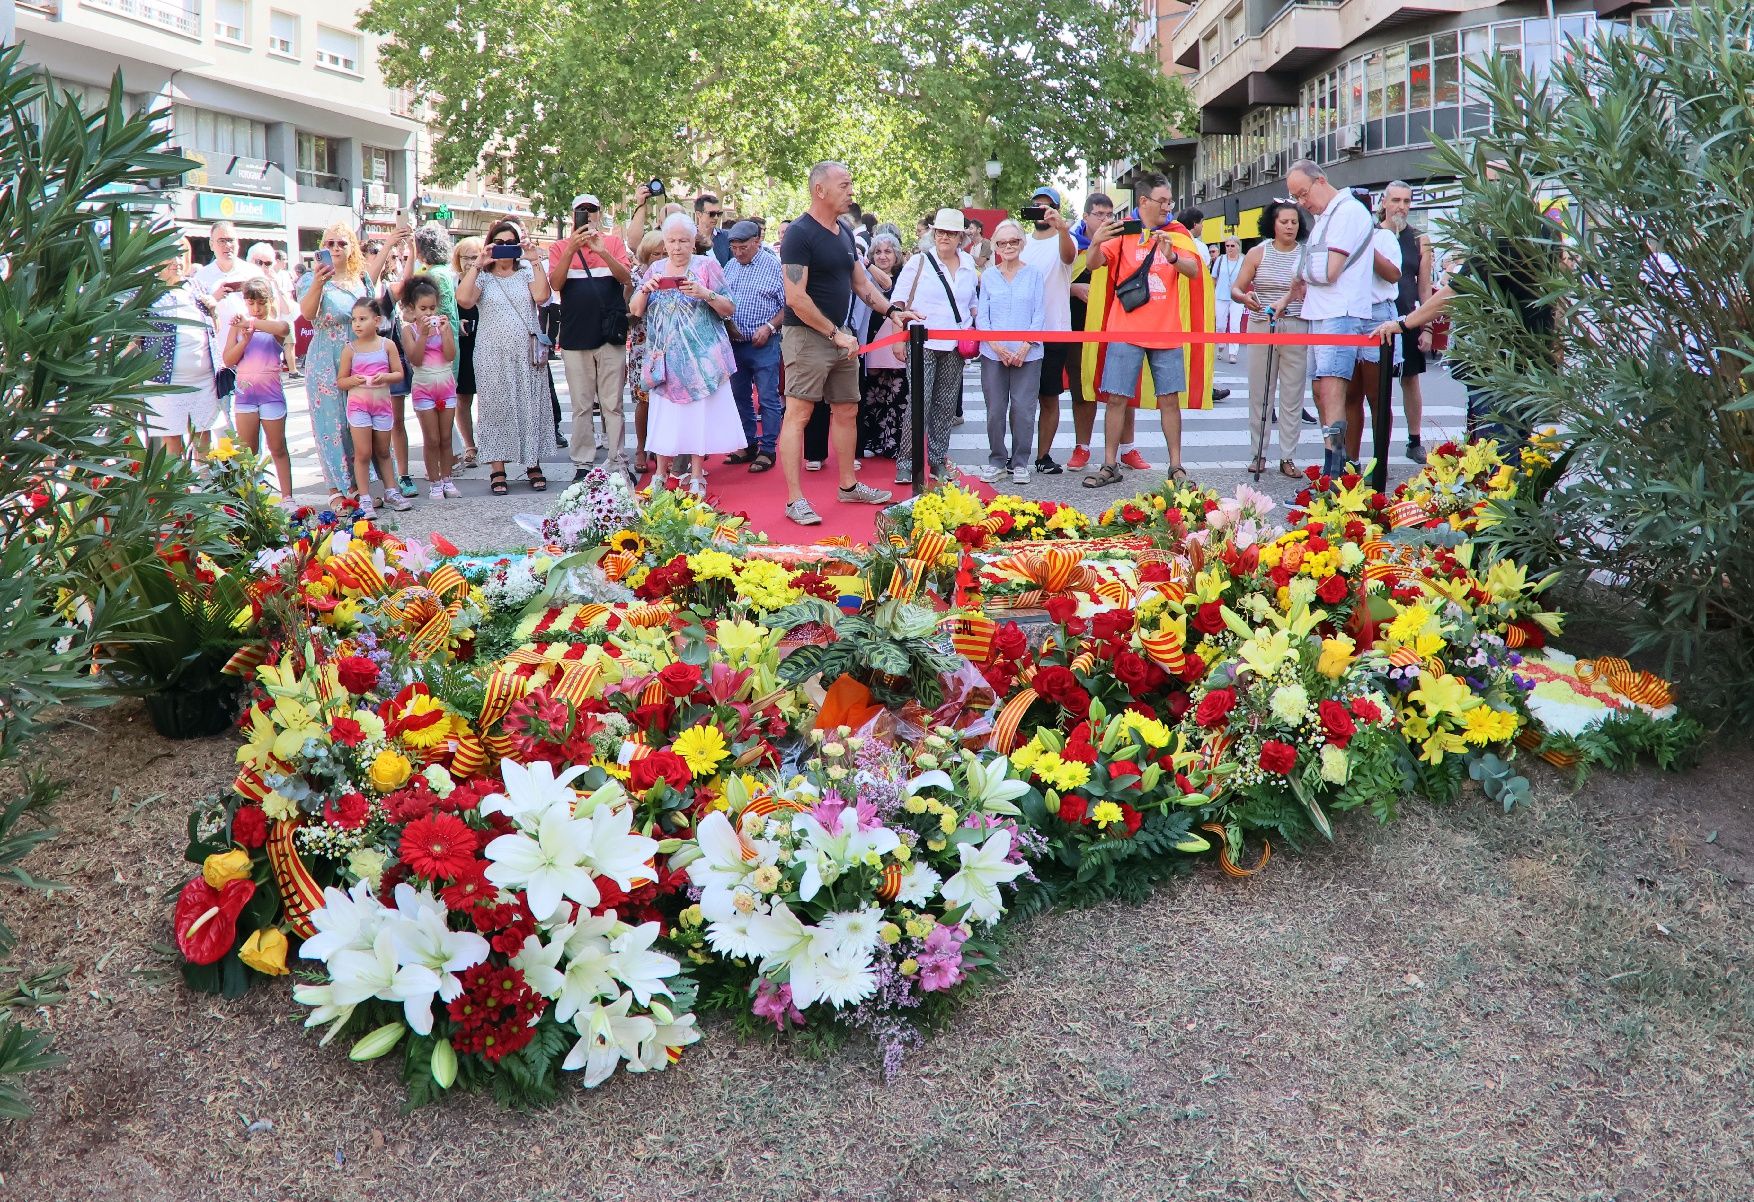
(1442, 694)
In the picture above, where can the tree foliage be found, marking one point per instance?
(742, 96)
(1649, 137)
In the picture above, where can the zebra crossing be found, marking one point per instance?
(1217, 438)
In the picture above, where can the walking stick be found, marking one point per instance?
(1380, 419)
(1272, 380)
(916, 387)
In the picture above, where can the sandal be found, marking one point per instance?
(496, 484)
(1257, 466)
(1103, 477)
(746, 455)
(1289, 470)
(538, 482)
(763, 462)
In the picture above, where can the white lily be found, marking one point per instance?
(359, 976)
(720, 864)
(990, 787)
(778, 936)
(590, 966)
(539, 962)
(327, 1010)
(612, 850)
(653, 1054)
(546, 857)
(825, 855)
(531, 789)
(610, 1035)
(730, 930)
(419, 925)
(344, 921)
(984, 869)
(643, 971)
(609, 794)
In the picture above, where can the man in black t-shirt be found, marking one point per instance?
(822, 272)
(588, 271)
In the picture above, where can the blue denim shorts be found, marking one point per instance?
(1120, 370)
(1339, 360)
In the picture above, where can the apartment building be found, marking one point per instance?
(279, 101)
(1360, 86)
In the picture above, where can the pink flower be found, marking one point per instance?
(941, 961)
(774, 1003)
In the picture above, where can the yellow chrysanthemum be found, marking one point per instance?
(1106, 813)
(702, 748)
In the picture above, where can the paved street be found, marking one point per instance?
(1216, 443)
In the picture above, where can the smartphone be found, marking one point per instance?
(655, 186)
(326, 258)
(1132, 226)
(1034, 213)
(404, 219)
(506, 250)
(668, 281)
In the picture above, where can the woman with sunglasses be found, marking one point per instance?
(1267, 286)
(1013, 296)
(514, 422)
(326, 295)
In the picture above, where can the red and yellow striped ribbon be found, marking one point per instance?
(1407, 513)
(447, 582)
(1166, 650)
(358, 564)
(1642, 687)
(1004, 738)
(972, 635)
(618, 564)
(1226, 863)
(299, 891)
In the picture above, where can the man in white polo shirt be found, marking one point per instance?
(222, 281)
(1336, 267)
(588, 271)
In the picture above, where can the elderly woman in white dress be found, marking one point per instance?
(688, 362)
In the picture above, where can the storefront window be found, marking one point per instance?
(1446, 72)
(1395, 80)
(1419, 74)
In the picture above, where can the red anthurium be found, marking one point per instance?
(206, 919)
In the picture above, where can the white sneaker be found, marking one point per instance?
(1020, 475)
(813, 465)
(449, 487)
(437, 491)
(991, 474)
(396, 501)
(367, 510)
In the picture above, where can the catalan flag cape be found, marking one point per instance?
(1198, 307)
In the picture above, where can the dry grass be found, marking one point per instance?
(1553, 1005)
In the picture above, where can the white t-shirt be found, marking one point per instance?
(1345, 226)
(931, 300)
(1384, 243)
(1043, 254)
(207, 277)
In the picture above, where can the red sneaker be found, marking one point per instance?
(1135, 460)
(1080, 459)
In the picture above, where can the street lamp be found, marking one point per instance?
(994, 167)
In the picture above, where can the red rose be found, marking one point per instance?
(1010, 642)
(1332, 590)
(1209, 618)
(680, 679)
(1154, 573)
(1077, 703)
(347, 811)
(1366, 710)
(1336, 723)
(1112, 624)
(1178, 705)
(1195, 669)
(972, 537)
(1073, 808)
(656, 715)
(1277, 757)
(664, 766)
(249, 827)
(1132, 513)
(1054, 683)
(346, 731)
(358, 675)
(1355, 530)
(1062, 609)
(1214, 708)
(1132, 671)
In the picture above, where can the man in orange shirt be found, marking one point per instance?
(1124, 254)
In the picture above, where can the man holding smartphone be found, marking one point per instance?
(221, 283)
(1051, 251)
(589, 272)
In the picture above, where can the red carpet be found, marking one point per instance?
(761, 497)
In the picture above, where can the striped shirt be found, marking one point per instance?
(1273, 279)
(757, 291)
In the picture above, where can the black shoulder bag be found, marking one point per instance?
(1135, 290)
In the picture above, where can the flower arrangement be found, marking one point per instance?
(600, 504)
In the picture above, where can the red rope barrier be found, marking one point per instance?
(1157, 339)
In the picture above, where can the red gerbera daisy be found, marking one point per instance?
(438, 847)
(469, 889)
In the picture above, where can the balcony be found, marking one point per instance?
(46, 8)
(321, 187)
(181, 19)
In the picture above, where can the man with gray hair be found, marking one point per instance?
(1336, 266)
(222, 281)
(1415, 290)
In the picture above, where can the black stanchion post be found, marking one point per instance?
(1380, 417)
(916, 399)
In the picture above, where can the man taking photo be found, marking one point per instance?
(588, 271)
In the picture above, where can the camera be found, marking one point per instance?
(1035, 213)
(1133, 226)
(655, 186)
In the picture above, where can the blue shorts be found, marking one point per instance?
(1122, 363)
(1339, 360)
(268, 409)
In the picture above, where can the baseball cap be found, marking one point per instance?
(585, 198)
(745, 230)
(1049, 191)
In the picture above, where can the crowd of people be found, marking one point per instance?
(699, 337)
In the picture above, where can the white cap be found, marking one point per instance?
(949, 220)
(585, 198)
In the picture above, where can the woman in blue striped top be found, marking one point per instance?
(1012, 297)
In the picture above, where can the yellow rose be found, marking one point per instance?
(222, 867)
(265, 951)
(1336, 657)
(390, 771)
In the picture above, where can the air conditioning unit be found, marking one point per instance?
(1306, 148)
(1244, 173)
(374, 195)
(1352, 136)
(392, 200)
(1264, 167)
(1226, 178)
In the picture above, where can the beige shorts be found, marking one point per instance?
(815, 368)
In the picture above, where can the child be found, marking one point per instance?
(369, 366)
(430, 347)
(253, 350)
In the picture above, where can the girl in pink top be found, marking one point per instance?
(254, 350)
(369, 365)
(430, 347)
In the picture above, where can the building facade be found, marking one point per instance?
(1360, 86)
(279, 102)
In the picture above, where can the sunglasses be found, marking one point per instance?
(505, 241)
(1009, 242)
(715, 212)
(586, 209)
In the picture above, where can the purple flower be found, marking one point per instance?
(941, 960)
(827, 812)
(868, 819)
